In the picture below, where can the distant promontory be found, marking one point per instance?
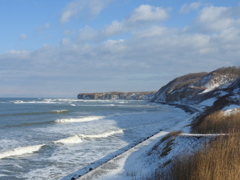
(146, 95)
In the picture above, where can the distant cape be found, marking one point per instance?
(146, 95)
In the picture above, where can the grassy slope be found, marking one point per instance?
(219, 159)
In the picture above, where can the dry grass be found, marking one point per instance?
(167, 148)
(219, 160)
(217, 122)
(170, 135)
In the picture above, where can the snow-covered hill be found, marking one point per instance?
(197, 87)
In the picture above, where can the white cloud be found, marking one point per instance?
(22, 37)
(43, 28)
(189, 7)
(214, 19)
(86, 34)
(147, 13)
(142, 17)
(83, 9)
(114, 29)
(119, 64)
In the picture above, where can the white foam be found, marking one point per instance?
(18, 102)
(20, 151)
(70, 140)
(103, 135)
(60, 111)
(67, 100)
(83, 119)
(33, 102)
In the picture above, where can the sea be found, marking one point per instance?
(50, 138)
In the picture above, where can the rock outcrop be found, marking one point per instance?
(148, 95)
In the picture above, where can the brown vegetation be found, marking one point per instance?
(217, 122)
(218, 160)
(171, 136)
(233, 71)
(185, 80)
(168, 147)
(217, 106)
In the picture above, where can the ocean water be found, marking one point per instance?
(44, 138)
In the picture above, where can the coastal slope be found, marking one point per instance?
(197, 87)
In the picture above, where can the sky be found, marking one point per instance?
(59, 48)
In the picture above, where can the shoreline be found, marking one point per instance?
(105, 160)
(186, 107)
(99, 167)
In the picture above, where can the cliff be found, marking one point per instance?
(148, 95)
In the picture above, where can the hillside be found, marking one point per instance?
(195, 88)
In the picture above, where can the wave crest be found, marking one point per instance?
(103, 135)
(83, 119)
(70, 140)
(59, 111)
(20, 151)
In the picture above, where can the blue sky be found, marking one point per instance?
(53, 48)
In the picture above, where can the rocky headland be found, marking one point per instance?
(147, 95)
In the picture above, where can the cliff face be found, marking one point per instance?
(118, 95)
(194, 88)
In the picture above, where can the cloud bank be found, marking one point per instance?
(134, 54)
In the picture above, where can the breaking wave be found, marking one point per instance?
(70, 120)
(36, 113)
(70, 140)
(103, 135)
(83, 119)
(59, 111)
(78, 138)
(45, 101)
(20, 151)
(34, 102)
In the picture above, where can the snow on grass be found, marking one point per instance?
(229, 110)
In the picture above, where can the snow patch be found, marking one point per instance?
(232, 109)
(208, 102)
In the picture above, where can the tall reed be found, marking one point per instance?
(217, 122)
(218, 160)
